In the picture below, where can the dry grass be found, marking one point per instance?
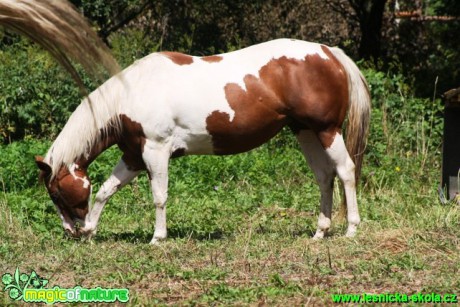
(247, 242)
(251, 267)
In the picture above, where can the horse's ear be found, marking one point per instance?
(45, 167)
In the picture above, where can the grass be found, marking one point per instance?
(240, 233)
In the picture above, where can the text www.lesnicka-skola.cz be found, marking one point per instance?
(395, 298)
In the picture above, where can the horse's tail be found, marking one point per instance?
(59, 28)
(359, 113)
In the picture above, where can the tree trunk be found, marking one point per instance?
(370, 16)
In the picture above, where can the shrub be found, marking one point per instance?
(401, 123)
(17, 165)
(36, 95)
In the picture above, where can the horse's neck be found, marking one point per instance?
(90, 130)
(108, 139)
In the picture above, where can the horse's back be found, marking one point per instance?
(236, 101)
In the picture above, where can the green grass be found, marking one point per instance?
(240, 233)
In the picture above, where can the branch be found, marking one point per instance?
(122, 19)
(357, 7)
(339, 6)
(417, 16)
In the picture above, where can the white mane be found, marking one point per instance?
(84, 126)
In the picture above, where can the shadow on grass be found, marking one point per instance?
(144, 236)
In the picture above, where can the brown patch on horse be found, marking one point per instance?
(258, 117)
(314, 90)
(45, 168)
(68, 192)
(212, 58)
(304, 94)
(178, 58)
(73, 192)
(131, 142)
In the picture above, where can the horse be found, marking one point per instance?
(170, 104)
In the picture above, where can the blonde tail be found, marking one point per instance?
(59, 28)
(359, 114)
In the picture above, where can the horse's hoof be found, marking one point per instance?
(318, 235)
(351, 231)
(155, 241)
(87, 233)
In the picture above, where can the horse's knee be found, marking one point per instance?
(160, 200)
(346, 173)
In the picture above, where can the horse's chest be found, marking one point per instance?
(131, 142)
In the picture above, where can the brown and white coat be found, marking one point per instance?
(170, 104)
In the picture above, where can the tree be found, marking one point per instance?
(369, 15)
(427, 45)
(111, 17)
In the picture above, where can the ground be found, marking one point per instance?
(240, 232)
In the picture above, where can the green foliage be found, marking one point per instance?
(428, 51)
(109, 18)
(401, 123)
(17, 165)
(132, 44)
(36, 96)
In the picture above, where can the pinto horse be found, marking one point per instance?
(169, 104)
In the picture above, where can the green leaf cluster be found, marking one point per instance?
(36, 96)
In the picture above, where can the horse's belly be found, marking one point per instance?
(242, 133)
(223, 135)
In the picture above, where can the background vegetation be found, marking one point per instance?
(240, 226)
(37, 96)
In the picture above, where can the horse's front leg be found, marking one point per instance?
(156, 158)
(121, 175)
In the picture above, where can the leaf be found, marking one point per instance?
(33, 274)
(16, 276)
(11, 286)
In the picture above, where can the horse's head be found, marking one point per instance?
(70, 190)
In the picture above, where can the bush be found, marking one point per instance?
(401, 124)
(17, 164)
(36, 97)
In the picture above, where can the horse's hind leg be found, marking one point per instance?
(324, 172)
(156, 158)
(345, 169)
